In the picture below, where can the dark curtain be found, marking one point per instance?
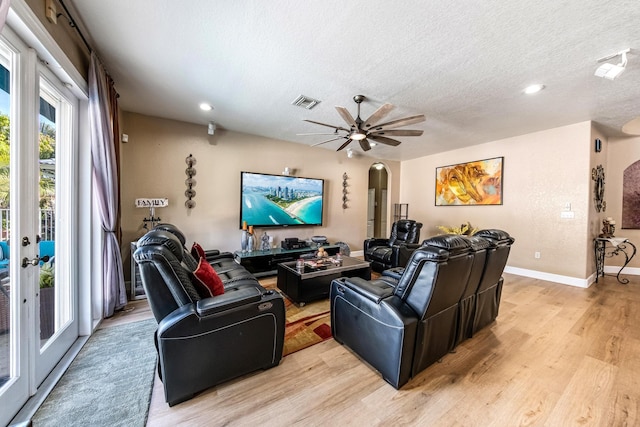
(103, 121)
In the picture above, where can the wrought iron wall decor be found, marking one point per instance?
(190, 193)
(597, 175)
(344, 191)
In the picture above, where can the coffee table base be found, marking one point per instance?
(303, 290)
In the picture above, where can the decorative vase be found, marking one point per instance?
(244, 240)
(250, 243)
(264, 242)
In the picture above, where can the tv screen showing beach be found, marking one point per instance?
(280, 200)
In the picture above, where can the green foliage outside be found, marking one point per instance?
(47, 151)
(47, 275)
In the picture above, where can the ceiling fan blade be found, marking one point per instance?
(365, 144)
(398, 132)
(377, 115)
(346, 115)
(400, 122)
(329, 126)
(385, 140)
(345, 144)
(316, 133)
(328, 140)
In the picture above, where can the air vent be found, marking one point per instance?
(305, 102)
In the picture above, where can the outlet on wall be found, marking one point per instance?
(536, 255)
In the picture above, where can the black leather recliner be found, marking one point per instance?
(490, 287)
(202, 342)
(401, 327)
(396, 250)
(467, 305)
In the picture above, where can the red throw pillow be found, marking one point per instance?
(207, 275)
(196, 251)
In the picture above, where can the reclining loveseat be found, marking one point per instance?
(204, 340)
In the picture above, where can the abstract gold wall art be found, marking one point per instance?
(472, 183)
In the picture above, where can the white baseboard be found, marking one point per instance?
(568, 280)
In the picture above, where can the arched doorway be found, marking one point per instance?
(377, 201)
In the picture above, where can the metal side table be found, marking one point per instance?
(609, 247)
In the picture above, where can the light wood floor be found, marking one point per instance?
(556, 356)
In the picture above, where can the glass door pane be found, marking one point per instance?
(47, 215)
(58, 321)
(5, 231)
(14, 338)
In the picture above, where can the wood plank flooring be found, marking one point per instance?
(556, 356)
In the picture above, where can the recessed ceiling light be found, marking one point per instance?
(530, 90)
(206, 107)
(373, 144)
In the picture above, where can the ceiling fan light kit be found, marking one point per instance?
(370, 129)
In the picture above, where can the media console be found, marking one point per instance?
(265, 263)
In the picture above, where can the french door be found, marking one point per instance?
(38, 287)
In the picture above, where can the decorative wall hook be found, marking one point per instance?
(190, 193)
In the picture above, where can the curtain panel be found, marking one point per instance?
(103, 121)
(4, 9)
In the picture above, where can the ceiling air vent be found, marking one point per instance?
(305, 102)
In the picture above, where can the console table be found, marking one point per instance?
(265, 263)
(610, 247)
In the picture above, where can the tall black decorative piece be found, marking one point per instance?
(344, 191)
(190, 193)
(597, 175)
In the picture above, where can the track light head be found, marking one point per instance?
(610, 71)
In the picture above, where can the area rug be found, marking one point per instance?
(306, 325)
(109, 383)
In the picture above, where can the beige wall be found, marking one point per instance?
(65, 36)
(153, 166)
(543, 171)
(621, 153)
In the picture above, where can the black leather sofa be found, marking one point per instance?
(204, 341)
(411, 317)
(396, 250)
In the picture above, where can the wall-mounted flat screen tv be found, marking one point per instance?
(280, 200)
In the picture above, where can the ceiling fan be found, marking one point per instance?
(363, 130)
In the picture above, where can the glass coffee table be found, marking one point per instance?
(314, 280)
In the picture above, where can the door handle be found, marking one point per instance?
(26, 261)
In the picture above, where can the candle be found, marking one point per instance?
(251, 229)
(244, 225)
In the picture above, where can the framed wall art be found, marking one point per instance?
(472, 183)
(631, 196)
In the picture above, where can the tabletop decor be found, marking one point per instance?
(464, 229)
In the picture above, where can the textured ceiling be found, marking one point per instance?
(461, 63)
